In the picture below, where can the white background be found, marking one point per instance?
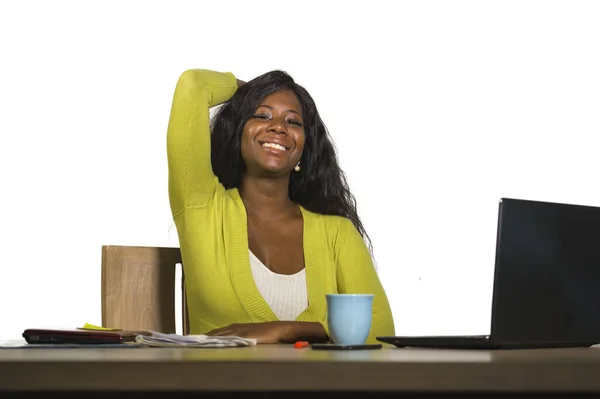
(438, 109)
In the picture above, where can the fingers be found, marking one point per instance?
(218, 332)
(229, 330)
(224, 332)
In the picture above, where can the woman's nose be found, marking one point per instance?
(278, 126)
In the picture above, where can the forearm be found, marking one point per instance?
(292, 331)
(191, 179)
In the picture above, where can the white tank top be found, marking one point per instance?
(285, 294)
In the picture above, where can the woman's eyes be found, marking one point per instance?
(267, 117)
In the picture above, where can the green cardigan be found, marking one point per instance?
(212, 229)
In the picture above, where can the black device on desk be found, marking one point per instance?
(78, 336)
(546, 281)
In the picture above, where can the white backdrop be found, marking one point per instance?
(438, 109)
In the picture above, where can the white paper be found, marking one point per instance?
(192, 341)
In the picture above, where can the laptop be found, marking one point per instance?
(77, 336)
(546, 289)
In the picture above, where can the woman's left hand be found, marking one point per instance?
(264, 333)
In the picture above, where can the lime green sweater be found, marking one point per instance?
(212, 229)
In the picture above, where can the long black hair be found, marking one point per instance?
(321, 185)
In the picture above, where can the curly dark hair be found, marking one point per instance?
(321, 186)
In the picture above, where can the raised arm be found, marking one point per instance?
(356, 275)
(191, 178)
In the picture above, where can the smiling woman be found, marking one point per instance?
(273, 138)
(266, 223)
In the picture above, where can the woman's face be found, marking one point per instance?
(273, 137)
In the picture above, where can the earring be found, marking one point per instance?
(297, 168)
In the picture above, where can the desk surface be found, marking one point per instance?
(281, 367)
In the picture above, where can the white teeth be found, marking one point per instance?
(273, 145)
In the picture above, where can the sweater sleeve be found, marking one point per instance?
(191, 178)
(356, 275)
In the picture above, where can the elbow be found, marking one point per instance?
(191, 79)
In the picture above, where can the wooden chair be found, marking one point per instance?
(138, 288)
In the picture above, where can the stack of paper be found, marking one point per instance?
(161, 340)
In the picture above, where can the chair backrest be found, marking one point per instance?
(138, 288)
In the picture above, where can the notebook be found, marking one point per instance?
(546, 290)
(78, 336)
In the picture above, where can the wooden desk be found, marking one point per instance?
(283, 368)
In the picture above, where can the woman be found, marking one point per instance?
(267, 226)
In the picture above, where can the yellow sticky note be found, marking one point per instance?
(88, 326)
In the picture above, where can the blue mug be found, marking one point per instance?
(349, 317)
